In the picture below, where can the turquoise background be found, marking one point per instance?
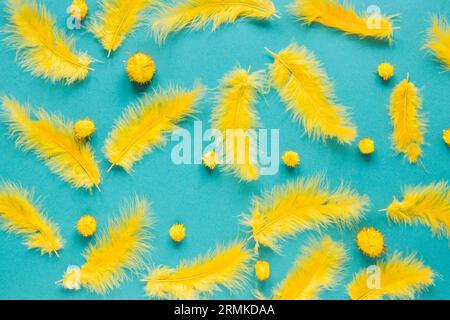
(209, 204)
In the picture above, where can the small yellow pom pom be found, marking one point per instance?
(291, 159)
(446, 136)
(86, 226)
(140, 68)
(79, 7)
(370, 241)
(262, 270)
(385, 71)
(210, 159)
(84, 129)
(177, 232)
(366, 146)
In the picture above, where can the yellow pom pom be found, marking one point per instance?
(291, 159)
(177, 232)
(385, 71)
(86, 226)
(262, 270)
(84, 129)
(370, 241)
(79, 7)
(210, 159)
(140, 68)
(366, 146)
(446, 136)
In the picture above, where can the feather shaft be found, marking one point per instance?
(438, 41)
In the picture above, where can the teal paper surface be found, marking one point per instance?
(210, 205)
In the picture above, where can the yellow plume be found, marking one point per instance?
(116, 20)
(438, 41)
(142, 127)
(409, 127)
(342, 17)
(121, 248)
(316, 269)
(53, 141)
(195, 14)
(302, 205)
(233, 116)
(225, 267)
(18, 214)
(396, 278)
(43, 50)
(307, 92)
(429, 205)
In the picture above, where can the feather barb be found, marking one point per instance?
(438, 41)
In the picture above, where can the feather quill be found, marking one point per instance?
(225, 267)
(397, 278)
(116, 20)
(53, 141)
(195, 14)
(119, 249)
(142, 127)
(308, 94)
(438, 41)
(233, 116)
(43, 50)
(408, 124)
(302, 205)
(343, 17)
(429, 205)
(20, 214)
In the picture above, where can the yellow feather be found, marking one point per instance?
(399, 278)
(225, 267)
(195, 14)
(302, 205)
(305, 89)
(342, 17)
(438, 41)
(233, 116)
(409, 126)
(142, 127)
(43, 50)
(116, 20)
(20, 215)
(429, 205)
(316, 269)
(53, 141)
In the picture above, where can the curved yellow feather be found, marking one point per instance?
(19, 214)
(43, 50)
(195, 14)
(343, 17)
(225, 267)
(429, 205)
(53, 141)
(143, 126)
(307, 92)
(233, 116)
(409, 126)
(302, 205)
(438, 41)
(399, 278)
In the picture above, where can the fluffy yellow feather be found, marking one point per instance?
(116, 20)
(302, 205)
(225, 267)
(53, 141)
(438, 41)
(429, 205)
(233, 116)
(305, 89)
(119, 249)
(19, 214)
(397, 278)
(339, 16)
(43, 50)
(195, 14)
(409, 126)
(142, 127)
